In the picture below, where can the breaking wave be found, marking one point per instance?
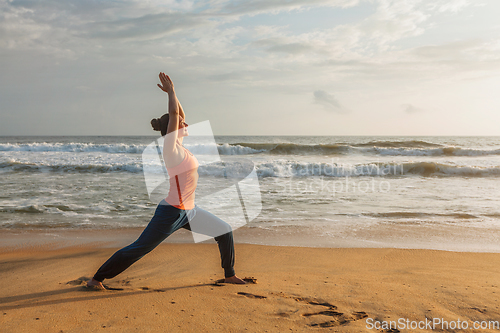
(278, 168)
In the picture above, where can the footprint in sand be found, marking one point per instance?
(326, 313)
(221, 282)
(152, 289)
(251, 295)
(336, 318)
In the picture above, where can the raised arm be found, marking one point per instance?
(181, 111)
(169, 145)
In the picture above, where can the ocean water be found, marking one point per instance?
(340, 189)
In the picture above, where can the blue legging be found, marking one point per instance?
(166, 220)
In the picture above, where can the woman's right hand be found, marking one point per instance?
(166, 83)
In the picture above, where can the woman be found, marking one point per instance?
(175, 211)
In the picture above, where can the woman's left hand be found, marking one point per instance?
(166, 83)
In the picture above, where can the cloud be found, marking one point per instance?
(264, 6)
(281, 45)
(150, 26)
(460, 52)
(380, 45)
(293, 48)
(408, 108)
(72, 26)
(232, 76)
(451, 5)
(370, 41)
(57, 26)
(328, 101)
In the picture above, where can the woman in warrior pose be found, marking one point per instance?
(177, 209)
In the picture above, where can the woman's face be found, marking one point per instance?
(182, 128)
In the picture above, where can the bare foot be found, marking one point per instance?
(94, 284)
(234, 279)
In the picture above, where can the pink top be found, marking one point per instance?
(183, 182)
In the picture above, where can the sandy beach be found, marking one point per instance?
(175, 289)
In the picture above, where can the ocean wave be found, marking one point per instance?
(446, 151)
(419, 215)
(31, 209)
(279, 168)
(399, 144)
(443, 169)
(18, 166)
(321, 149)
(73, 224)
(227, 149)
(39, 209)
(223, 149)
(294, 148)
(34, 225)
(78, 147)
(427, 169)
(73, 147)
(386, 148)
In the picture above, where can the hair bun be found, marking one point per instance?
(156, 123)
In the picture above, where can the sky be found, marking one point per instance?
(263, 67)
